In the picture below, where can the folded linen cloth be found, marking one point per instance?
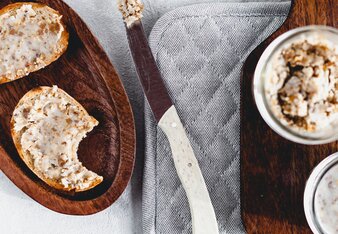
(200, 50)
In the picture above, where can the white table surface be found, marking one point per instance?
(19, 214)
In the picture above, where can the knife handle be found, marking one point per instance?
(202, 212)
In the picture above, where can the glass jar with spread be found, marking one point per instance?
(296, 85)
(321, 197)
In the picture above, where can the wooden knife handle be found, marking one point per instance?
(202, 212)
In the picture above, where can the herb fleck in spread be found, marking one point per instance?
(303, 89)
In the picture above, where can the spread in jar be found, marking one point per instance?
(326, 201)
(302, 89)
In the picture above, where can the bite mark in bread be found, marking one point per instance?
(32, 36)
(47, 127)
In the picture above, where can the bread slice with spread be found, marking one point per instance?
(32, 36)
(47, 126)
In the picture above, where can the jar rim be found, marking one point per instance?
(259, 88)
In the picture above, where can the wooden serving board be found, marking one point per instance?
(273, 170)
(86, 73)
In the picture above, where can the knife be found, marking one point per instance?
(201, 209)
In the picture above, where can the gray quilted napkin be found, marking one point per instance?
(200, 50)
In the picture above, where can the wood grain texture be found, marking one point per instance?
(274, 170)
(85, 73)
(147, 70)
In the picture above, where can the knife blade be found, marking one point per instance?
(201, 209)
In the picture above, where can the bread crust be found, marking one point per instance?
(63, 42)
(16, 136)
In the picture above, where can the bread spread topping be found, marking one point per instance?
(28, 38)
(131, 10)
(51, 127)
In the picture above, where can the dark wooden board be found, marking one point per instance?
(273, 170)
(86, 73)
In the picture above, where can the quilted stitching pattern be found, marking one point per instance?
(200, 57)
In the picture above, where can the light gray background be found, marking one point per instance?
(19, 213)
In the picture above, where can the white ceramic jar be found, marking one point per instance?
(321, 197)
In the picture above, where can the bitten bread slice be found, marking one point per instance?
(47, 127)
(32, 36)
